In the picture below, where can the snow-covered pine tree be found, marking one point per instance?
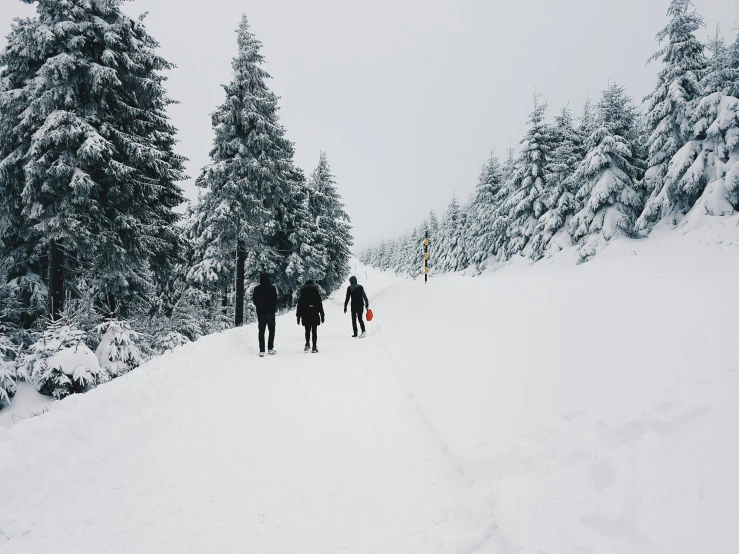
(168, 341)
(608, 176)
(212, 263)
(398, 254)
(705, 171)
(501, 217)
(587, 122)
(293, 247)
(483, 210)
(524, 204)
(59, 363)
(91, 149)
(252, 184)
(23, 299)
(369, 256)
(375, 256)
(559, 200)
(669, 109)
(416, 252)
(118, 352)
(449, 235)
(406, 247)
(332, 222)
(388, 254)
(433, 224)
(7, 370)
(526, 189)
(433, 229)
(404, 263)
(461, 250)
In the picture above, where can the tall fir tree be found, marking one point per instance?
(483, 209)
(669, 109)
(559, 200)
(734, 56)
(447, 246)
(524, 204)
(243, 223)
(333, 225)
(88, 164)
(501, 217)
(608, 176)
(705, 171)
(433, 231)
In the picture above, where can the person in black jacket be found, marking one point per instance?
(310, 311)
(355, 293)
(265, 301)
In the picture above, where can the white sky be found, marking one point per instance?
(406, 96)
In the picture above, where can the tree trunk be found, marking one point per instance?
(112, 306)
(240, 262)
(56, 280)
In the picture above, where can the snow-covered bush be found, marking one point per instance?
(23, 301)
(168, 341)
(117, 352)
(59, 363)
(191, 314)
(7, 371)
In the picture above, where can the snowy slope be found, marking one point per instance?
(540, 409)
(597, 404)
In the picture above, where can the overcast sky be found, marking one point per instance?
(406, 96)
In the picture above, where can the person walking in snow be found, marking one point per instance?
(310, 311)
(264, 298)
(358, 298)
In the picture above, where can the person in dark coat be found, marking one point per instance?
(358, 298)
(265, 301)
(310, 311)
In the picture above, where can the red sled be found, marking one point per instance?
(370, 315)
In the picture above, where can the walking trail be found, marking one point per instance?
(212, 449)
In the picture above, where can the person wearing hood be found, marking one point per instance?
(310, 311)
(264, 298)
(358, 298)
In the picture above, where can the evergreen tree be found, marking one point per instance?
(608, 176)
(433, 224)
(59, 363)
(587, 122)
(501, 217)
(251, 182)
(118, 352)
(447, 247)
(669, 109)
(483, 210)
(461, 250)
(7, 371)
(433, 229)
(524, 204)
(293, 251)
(734, 57)
(408, 259)
(333, 225)
(706, 169)
(88, 161)
(559, 200)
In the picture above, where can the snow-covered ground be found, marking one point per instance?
(549, 409)
(26, 403)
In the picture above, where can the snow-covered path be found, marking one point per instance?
(211, 449)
